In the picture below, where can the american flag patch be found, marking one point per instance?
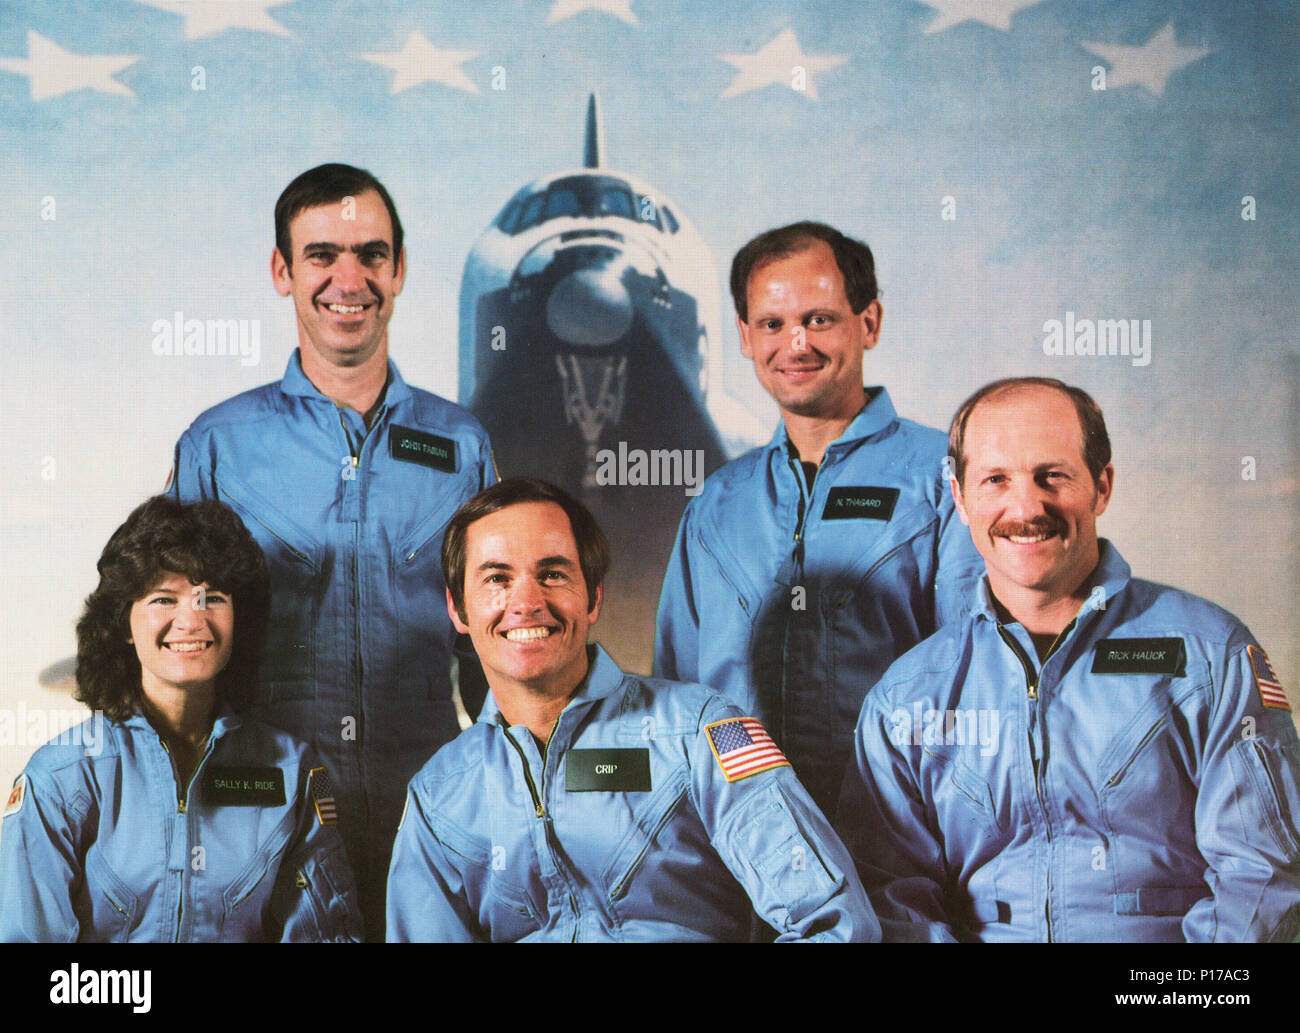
(16, 796)
(1271, 693)
(322, 794)
(743, 748)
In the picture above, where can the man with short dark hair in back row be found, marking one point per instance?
(807, 566)
(1088, 756)
(346, 476)
(591, 804)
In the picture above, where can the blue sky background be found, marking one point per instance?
(1124, 203)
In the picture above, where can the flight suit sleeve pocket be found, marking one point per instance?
(327, 881)
(792, 880)
(1271, 769)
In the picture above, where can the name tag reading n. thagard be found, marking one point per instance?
(848, 503)
(243, 787)
(607, 771)
(415, 446)
(1138, 656)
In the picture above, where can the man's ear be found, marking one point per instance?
(399, 272)
(594, 611)
(1105, 485)
(955, 488)
(745, 348)
(456, 622)
(280, 275)
(871, 317)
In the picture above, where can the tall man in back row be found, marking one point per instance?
(805, 567)
(1142, 776)
(346, 476)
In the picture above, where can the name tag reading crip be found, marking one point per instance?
(243, 787)
(607, 771)
(1139, 656)
(415, 446)
(847, 503)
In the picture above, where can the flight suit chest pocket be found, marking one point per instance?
(488, 868)
(959, 796)
(242, 899)
(859, 547)
(293, 559)
(112, 905)
(632, 851)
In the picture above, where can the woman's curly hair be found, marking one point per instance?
(203, 541)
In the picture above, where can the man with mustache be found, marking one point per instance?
(1145, 784)
(805, 567)
(347, 476)
(591, 804)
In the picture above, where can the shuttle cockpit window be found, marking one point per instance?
(584, 197)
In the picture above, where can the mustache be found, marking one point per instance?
(1040, 525)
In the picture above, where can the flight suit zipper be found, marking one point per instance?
(355, 450)
(1032, 681)
(528, 776)
(182, 804)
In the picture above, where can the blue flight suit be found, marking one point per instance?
(1133, 786)
(359, 646)
(504, 841)
(101, 843)
(793, 601)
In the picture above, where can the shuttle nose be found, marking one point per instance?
(590, 307)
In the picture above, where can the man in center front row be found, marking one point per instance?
(590, 804)
(1088, 756)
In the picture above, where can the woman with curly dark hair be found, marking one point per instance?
(179, 820)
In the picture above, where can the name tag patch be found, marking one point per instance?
(607, 771)
(1139, 656)
(415, 446)
(863, 503)
(243, 787)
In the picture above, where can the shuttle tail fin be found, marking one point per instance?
(594, 145)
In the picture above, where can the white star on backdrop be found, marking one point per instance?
(420, 62)
(1149, 65)
(53, 70)
(996, 13)
(568, 8)
(208, 17)
(776, 63)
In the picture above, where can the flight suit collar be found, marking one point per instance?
(604, 676)
(295, 382)
(224, 721)
(1112, 575)
(874, 417)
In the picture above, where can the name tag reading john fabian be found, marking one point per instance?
(415, 446)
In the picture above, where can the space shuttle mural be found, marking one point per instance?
(590, 334)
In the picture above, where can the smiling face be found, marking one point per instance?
(526, 604)
(1028, 496)
(183, 635)
(805, 340)
(343, 279)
